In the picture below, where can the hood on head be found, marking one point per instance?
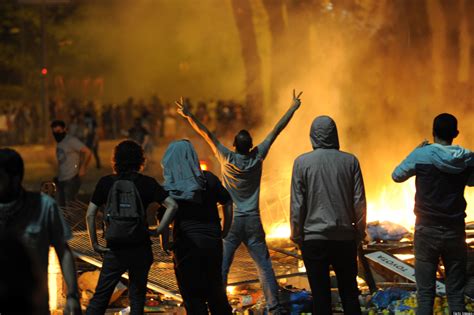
(182, 173)
(323, 133)
(451, 159)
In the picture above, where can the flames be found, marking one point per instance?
(390, 202)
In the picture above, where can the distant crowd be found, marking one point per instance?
(20, 122)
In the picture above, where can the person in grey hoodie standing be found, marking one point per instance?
(328, 216)
(442, 171)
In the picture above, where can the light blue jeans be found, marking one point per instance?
(249, 230)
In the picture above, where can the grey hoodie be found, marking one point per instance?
(327, 190)
(442, 172)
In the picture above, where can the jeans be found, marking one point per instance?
(137, 262)
(198, 273)
(68, 190)
(431, 243)
(249, 230)
(318, 255)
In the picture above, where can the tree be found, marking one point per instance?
(253, 66)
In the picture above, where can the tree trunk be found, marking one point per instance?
(252, 63)
(279, 44)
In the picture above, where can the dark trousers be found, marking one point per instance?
(198, 272)
(318, 255)
(431, 243)
(68, 190)
(137, 262)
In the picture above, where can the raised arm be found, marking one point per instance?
(283, 122)
(407, 168)
(199, 127)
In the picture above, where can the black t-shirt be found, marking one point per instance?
(148, 188)
(200, 223)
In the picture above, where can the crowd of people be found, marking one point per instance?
(92, 121)
(327, 215)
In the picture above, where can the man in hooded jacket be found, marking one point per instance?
(328, 216)
(442, 171)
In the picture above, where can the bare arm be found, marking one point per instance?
(171, 209)
(283, 122)
(228, 213)
(84, 160)
(163, 228)
(198, 126)
(66, 259)
(91, 228)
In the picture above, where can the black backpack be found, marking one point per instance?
(124, 215)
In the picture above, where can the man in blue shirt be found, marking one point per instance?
(442, 171)
(242, 173)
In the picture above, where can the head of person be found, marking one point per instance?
(128, 157)
(445, 128)
(11, 174)
(323, 133)
(243, 142)
(137, 121)
(58, 127)
(183, 177)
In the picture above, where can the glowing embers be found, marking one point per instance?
(279, 230)
(204, 165)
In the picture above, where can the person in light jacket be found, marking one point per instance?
(442, 171)
(328, 216)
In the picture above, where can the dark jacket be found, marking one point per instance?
(442, 173)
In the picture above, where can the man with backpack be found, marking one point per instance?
(126, 195)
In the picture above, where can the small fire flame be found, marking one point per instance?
(54, 280)
(203, 165)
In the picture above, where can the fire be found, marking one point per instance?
(203, 165)
(279, 230)
(54, 280)
(392, 202)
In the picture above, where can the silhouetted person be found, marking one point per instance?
(36, 220)
(328, 216)
(442, 171)
(91, 137)
(128, 247)
(197, 230)
(242, 173)
(73, 157)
